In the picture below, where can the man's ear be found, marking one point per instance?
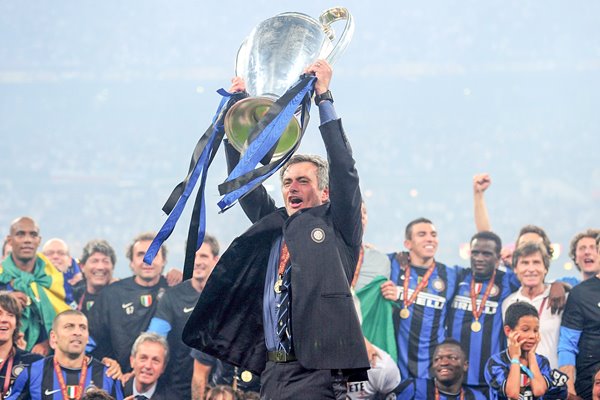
(325, 195)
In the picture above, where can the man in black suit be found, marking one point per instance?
(278, 302)
(149, 356)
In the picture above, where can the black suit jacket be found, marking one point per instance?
(227, 321)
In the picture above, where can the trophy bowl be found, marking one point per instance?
(272, 58)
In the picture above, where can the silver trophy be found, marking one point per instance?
(272, 58)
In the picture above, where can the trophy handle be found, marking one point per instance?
(327, 18)
(241, 59)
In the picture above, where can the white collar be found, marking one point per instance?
(148, 393)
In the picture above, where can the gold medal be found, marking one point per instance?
(476, 326)
(246, 376)
(404, 313)
(278, 285)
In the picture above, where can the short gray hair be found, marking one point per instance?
(152, 338)
(318, 161)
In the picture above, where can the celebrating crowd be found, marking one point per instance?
(298, 307)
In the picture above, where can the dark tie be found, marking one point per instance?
(283, 315)
(141, 397)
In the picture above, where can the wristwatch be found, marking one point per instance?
(323, 96)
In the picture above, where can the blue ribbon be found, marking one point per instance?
(200, 168)
(263, 143)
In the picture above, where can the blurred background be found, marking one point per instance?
(101, 104)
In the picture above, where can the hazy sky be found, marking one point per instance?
(101, 104)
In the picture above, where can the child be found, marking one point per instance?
(518, 372)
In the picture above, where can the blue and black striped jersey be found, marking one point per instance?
(418, 334)
(39, 381)
(419, 389)
(496, 374)
(480, 346)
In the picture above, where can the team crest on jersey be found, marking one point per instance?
(438, 285)
(89, 304)
(495, 291)
(146, 300)
(73, 391)
(317, 235)
(17, 369)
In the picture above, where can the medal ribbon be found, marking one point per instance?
(408, 302)
(284, 258)
(80, 305)
(358, 266)
(478, 311)
(8, 374)
(542, 307)
(61, 380)
(437, 394)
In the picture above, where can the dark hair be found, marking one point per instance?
(10, 304)
(142, 237)
(451, 342)
(589, 233)
(595, 371)
(518, 310)
(538, 231)
(213, 243)
(63, 313)
(409, 227)
(98, 246)
(219, 391)
(488, 235)
(96, 394)
(528, 249)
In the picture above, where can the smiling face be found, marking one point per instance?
(148, 363)
(8, 324)
(531, 270)
(300, 187)
(484, 258)
(423, 243)
(449, 364)
(98, 270)
(204, 262)
(146, 274)
(70, 335)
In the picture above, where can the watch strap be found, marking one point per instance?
(323, 96)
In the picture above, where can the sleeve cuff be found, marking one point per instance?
(159, 326)
(327, 112)
(566, 358)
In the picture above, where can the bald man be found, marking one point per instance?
(40, 287)
(57, 251)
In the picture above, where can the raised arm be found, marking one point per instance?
(480, 184)
(344, 191)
